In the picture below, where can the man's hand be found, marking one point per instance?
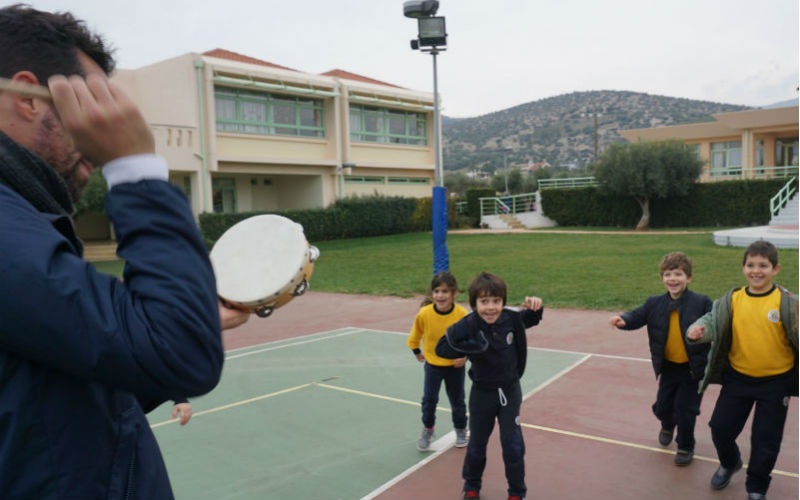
(695, 332)
(616, 322)
(459, 362)
(230, 317)
(182, 410)
(102, 120)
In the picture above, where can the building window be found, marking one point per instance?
(388, 126)
(223, 192)
(726, 158)
(409, 180)
(263, 113)
(362, 179)
(786, 152)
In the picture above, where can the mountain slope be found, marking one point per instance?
(560, 129)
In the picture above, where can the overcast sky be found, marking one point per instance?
(500, 53)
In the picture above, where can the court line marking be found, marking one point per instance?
(448, 440)
(293, 344)
(448, 436)
(290, 339)
(238, 403)
(546, 349)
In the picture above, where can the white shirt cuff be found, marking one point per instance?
(135, 168)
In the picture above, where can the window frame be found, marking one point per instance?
(270, 101)
(385, 129)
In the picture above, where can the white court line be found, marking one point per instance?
(448, 440)
(293, 344)
(546, 349)
(290, 339)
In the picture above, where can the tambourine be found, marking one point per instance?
(262, 262)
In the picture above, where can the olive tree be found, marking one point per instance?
(647, 170)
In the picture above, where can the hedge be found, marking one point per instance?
(347, 218)
(727, 203)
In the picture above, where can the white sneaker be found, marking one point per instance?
(424, 441)
(461, 438)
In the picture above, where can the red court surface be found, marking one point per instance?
(589, 433)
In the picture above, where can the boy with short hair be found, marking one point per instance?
(493, 339)
(677, 366)
(753, 331)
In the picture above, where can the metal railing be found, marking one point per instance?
(779, 200)
(567, 182)
(775, 172)
(518, 203)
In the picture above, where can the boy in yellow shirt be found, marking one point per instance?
(753, 331)
(678, 366)
(432, 320)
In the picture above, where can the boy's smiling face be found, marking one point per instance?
(489, 308)
(759, 272)
(676, 281)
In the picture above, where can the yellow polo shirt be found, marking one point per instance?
(674, 350)
(429, 327)
(760, 347)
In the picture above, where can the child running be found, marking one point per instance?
(753, 331)
(429, 326)
(678, 366)
(493, 338)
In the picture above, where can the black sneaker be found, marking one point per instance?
(684, 457)
(723, 476)
(756, 496)
(472, 495)
(665, 437)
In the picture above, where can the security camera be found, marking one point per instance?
(420, 8)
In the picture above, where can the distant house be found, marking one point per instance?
(533, 166)
(760, 143)
(241, 134)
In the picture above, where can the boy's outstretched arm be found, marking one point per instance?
(616, 322)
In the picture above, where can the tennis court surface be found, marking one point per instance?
(321, 401)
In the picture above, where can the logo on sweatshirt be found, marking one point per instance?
(774, 315)
(510, 338)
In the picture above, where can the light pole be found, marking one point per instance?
(432, 38)
(594, 114)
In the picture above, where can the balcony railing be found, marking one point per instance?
(568, 182)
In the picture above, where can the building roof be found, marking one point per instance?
(233, 56)
(340, 73)
(725, 125)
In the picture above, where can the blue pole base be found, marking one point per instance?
(441, 256)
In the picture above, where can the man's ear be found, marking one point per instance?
(28, 107)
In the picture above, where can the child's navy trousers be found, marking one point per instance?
(678, 403)
(486, 404)
(771, 399)
(454, 385)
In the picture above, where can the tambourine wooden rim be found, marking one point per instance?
(262, 262)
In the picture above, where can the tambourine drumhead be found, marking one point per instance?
(258, 259)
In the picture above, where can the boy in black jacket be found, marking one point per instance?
(493, 339)
(678, 366)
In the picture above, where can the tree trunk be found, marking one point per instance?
(645, 220)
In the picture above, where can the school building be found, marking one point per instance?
(241, 134)
(753, 144)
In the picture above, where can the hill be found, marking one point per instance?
(560, 130)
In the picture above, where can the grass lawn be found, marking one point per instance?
(587, 271)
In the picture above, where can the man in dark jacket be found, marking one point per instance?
(82, 354)
(678, 365)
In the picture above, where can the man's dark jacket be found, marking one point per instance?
(81, 353)
(655, 313)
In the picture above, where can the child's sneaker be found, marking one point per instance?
(514, 497)
(472, 495)
(424, 441)
(461, 438)
(665, 436)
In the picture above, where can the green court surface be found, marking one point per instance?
(333, 415)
